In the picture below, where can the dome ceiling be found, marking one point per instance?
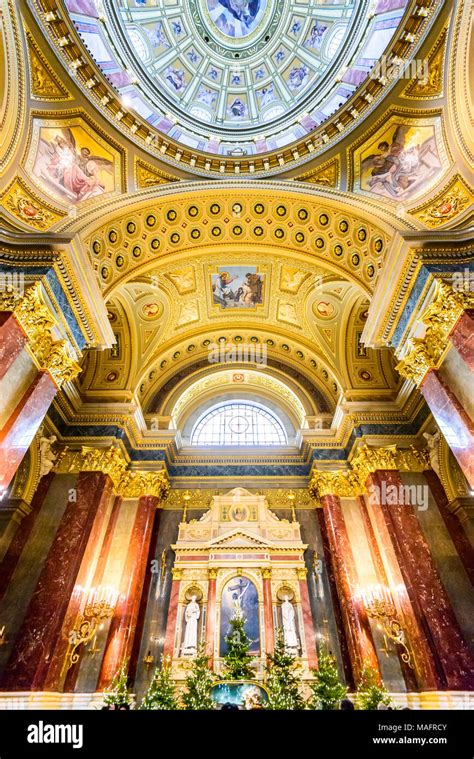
(236, 77)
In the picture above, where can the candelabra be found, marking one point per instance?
(379, 605)
(100, 604)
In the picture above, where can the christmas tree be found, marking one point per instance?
(118, 694)
(199, 683)
(327, 689)
(237, 660)
(162, 692)
(282, 682)
(370, 690)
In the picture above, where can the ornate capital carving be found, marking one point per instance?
(343, 483)
(86, 459)
(267, 573)
(111, 461)
(138, 484)
(37, 322)
(440, 318)
(302, 572)
(212, 573)
(350, 483)
(177, 573)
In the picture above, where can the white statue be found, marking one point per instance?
(289, 626)
(191, 615)
(47, 455)
(433, 450)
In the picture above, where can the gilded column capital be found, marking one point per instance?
(136, 484)
(369, 460)
(440, 318)
(343, 483)
(301, 573)
(212, 573)
(177, 573)
(37, 322)
(87, 459)
(267, 573)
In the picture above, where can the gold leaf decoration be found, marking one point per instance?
(149, 176)
(20, 202)
(326, 175)
(447, 204)
(45, 84)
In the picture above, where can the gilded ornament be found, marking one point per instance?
(110, 461)
(23, 205)
(447, 205)
(138, 484)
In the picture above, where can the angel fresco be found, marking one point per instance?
(71, 169)
(403, 165)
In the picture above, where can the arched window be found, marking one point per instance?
(238, 423)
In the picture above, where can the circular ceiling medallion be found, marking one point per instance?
(237, 18)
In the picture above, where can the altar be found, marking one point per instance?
(239, 555)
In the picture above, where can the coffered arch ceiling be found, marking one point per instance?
(318, 263)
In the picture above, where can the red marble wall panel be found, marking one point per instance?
(462, 337)
(12, 341)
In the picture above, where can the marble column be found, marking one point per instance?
(39, 634)
(20, 429)
(168, 649)
(452, 419)
(423, 584)
(453, 524)
(124, 621)
(308, 626)
(356, 623)
(12, 341)
(424, 675)
(211, 614)
(462, 337)
(268, 611)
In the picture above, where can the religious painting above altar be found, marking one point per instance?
(240, 595)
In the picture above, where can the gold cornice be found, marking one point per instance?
(37, 322)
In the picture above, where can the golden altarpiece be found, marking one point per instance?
(238, 547)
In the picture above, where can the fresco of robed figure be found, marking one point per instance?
(237, 287)
(73, 164)
(236, 18)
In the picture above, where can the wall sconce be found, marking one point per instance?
(186, 499)
(148, 659)
(3, 636)
(100, 604)
(291, 498)
(379, 605)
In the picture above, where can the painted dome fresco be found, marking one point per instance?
(234, 77)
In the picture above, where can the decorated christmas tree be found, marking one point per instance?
(162, 692)
(327, 689)
(237, 660)
(370, 690)
(118, 694)
(282, 682)
(199, 683)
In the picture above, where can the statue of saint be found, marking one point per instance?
(191, 616)
(47, 455)
(289, 626)
(433, 450)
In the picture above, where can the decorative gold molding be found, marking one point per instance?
(343, 483)
(177, 574)
(440, 318)
(37, 321)
(432, 86)
(326, 175)
(447, 204)
(45, 84)
(147, 175)
(27, 207)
